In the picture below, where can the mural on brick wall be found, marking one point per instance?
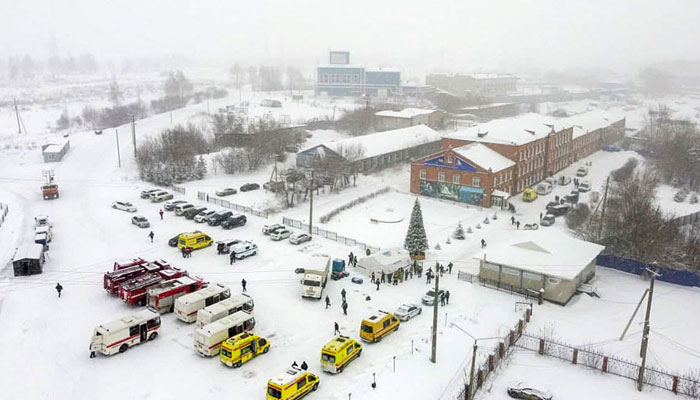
(450, 191)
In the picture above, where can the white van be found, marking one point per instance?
(160, 196)
(544, 188)
(581, 171)
(224, 308)
(244, 249)
(181, 208)
(117, 336)
(208, 339)
(186, 307)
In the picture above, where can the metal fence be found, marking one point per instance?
(666, 274)
(178, 189)
(327, 234)
(485, 367)
(233, 206)
(466, 276)
(4, 209)
(689, 219)
(676, 383)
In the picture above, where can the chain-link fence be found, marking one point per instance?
(327, 234)
(232, 206)
(591, 358)
(178, 189)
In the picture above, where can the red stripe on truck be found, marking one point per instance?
(131, 337)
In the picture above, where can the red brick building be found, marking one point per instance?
(538, 146)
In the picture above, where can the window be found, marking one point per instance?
(153, 322)
(490, 267)
(350, 349)
(301, 383)
(441, 177)
(133, 330)
(510, 271)
(423, 175)
(449, 159)
(476, 181)
(553, 281)
(456, 178)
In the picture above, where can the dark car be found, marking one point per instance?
(559, 210)
(172, 242)
(192, 212)
(250, 186)
(528, 394)
(551, 204)
(226, 192)
(226, 245)
(219, 217)
(548, 220)
(234, 221)
(572, 197)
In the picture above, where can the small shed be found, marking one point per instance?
(387, 261)
(28, 259)
(54, 152)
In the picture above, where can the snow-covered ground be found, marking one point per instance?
(44, 340)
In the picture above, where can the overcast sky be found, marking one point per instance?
(463, 35)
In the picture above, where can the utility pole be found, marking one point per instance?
(471, 374)
(645, 335)
(433, 355)
(119, 157)
(602, 213)
(19, 127)
(311, 203)
(133, 133)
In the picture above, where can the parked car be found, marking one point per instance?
(244, 250)
(226, 192)
(226, 245)
(551, 180)
(544, 188)
(529, 194)
(180, 209)
(531, 227)
(584, 186)
(219, 217)
(563, 180)
(193, 212)
(170, 205)
(234, 221)
(145, 194)
(249, 186)
(581, 171)
(407, 311)
(551, 204)
(611, 149)
(299, 238)
(572, 197)
(172, 242)
(548, 220)
(124, 206)
(140, 221)
(267, 229)
(157, 197)
(204, 216)
(274, 187)
(429, 297)
(528, 394)
(280, 234)
(559, 210)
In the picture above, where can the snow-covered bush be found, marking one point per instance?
(681, 195)
(693, 198)
(459, 232)
(578, 215)
(469, 229)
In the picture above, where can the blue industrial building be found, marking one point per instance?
(339, 78)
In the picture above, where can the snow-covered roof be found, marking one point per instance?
(492, 76)
(587, 122)
(485, 106)
(387, 261)
(514, 131)
(388, 141)
(351, 66)
(54, 148)
(31, 251)
(484, 157)
(287, 377)
(225, 323)
(405, 113)
(545, 252)
(129, 320)
(383, 69)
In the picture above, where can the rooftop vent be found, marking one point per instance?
(530, 132)
(482, 134)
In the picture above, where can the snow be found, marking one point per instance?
(405, 113)
(544, 252)
(664, 197)
(28, 251)
(484, 157)
(517, 130)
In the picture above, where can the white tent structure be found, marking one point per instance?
(386, 261)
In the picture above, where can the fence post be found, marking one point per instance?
(490, 362)
(501, 349)
(605, 363)
(674, 389)
(528, 313)
(479, 379)
(575, 358)
(511, 337)
(520, 327)
(542, 347)
(466, 391)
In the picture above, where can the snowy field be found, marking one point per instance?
(45, 340)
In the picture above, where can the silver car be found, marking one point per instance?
(124, 206)
(408, 311)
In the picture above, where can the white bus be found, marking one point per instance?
(186, 307)
(208, 339)
(224, 308)
(117, 336)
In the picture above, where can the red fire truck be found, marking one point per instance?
(123, 265)
(135, 291)
(162, 296)
(127, 271)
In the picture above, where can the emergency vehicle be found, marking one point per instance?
(338, 353)
(294, 383)
(194, 240)
(114, 279)
(123, 265)
(117, 336)
(186, 307)
(134, 291)
(208, 339)
(224, 308)
(378, 325)
(242, 348)
(162, 296)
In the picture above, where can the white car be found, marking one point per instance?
(140, 221)
(161, 196)
(299, 238)
(244, 249)
(124, 206)
(581, 171)
(280, 234)
(584, 186)
(267, 229)
(408, 311)
(170, 205)
(429, 297)
(204, 216)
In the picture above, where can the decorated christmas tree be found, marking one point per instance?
(459, 232)
(416, 242)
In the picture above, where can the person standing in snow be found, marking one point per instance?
(512, 220)
(383, 277)
(517, 224)
(184, 254)
(377, 282)
(243, 283)
(337, 329)
(59, 288)
(150, 235)
(447, 297)
(343, 293)
(304, 365)
(328, 302)
(350, 256)
(373, 279)
(449, 267)
(442, 299)
(483, 243)
(232, 258)
(345, 308)
(161, 214)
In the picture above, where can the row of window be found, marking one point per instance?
(530, 180)
(530, 166)
(537, 148)
(339, 78)
(456, 178)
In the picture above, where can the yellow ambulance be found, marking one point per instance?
(242, 348)
(293, 383)
(529, 194)
(194, 240)
(338, 353)
(378, 325)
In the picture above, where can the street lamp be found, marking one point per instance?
(471, 372)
